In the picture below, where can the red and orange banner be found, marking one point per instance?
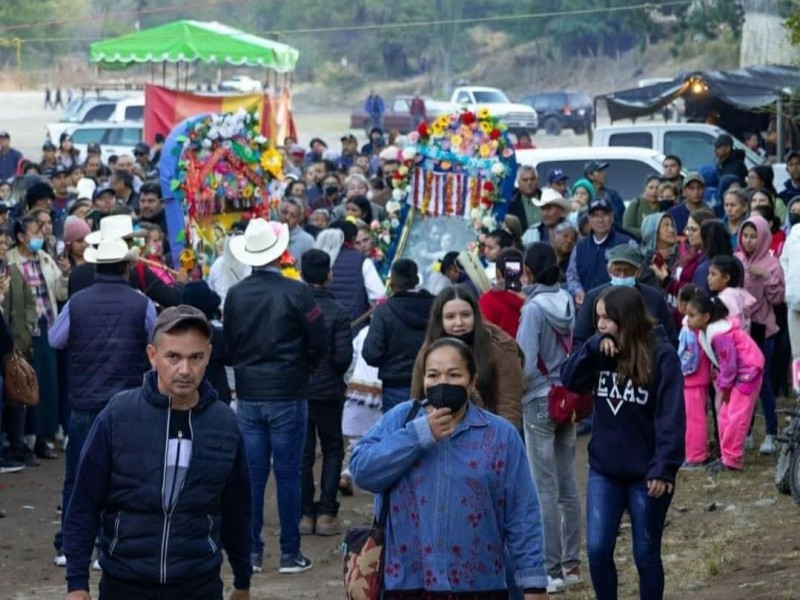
(164, 108)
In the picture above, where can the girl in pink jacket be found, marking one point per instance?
(739, 366)
(763, 278)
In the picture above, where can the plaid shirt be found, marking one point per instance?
(34, 277)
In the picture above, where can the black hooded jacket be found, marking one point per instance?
(396, 333)
(327, 382)
(733, 164)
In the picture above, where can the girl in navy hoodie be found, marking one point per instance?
(637, 443)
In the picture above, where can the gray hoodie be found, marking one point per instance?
(545, 328)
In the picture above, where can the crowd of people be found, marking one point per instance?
(426, 395)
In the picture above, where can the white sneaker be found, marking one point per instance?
(573, 576)
(96, 565)
(555, 585)
(60, 560)
(749, 443)
(767, 446)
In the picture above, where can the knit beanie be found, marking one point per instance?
(75, 229)
(585, 184)
(39, 191)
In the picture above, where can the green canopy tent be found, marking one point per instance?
(193, 41)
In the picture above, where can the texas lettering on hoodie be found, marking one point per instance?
(637, 431)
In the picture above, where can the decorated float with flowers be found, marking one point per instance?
(216, 169)
(450, 190)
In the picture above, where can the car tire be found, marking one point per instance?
(579, 129)
(552, 126)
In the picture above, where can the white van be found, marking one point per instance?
(97, 110)
(113, 138)
(628, 167)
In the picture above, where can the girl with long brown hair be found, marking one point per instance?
(637, 443)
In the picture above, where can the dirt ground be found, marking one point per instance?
(744, 547)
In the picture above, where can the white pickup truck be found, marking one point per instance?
(519, 118)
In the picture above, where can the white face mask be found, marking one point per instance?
(369, 195)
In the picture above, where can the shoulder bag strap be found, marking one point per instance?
(384, 516)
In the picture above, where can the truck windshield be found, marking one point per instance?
(490, 97)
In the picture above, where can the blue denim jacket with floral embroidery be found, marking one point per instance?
(457, 503)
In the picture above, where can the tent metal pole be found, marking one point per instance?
(164, 74)
(779, 131)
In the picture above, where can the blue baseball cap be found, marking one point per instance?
(555, 175)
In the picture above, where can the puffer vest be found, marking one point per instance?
(347, 286)
(107, 341)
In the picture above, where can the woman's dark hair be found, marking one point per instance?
(349, 230)
(764, 192)
(507, 254)
(686, 292)
(78, 204)
(482, 337)
(701, 215)
(541, 259)
(502, 237)
(290, 188)
(730, 266)
(21, 227)
(768, 213)
(767, 175)
(364, 205)
(716, 239)
(707, 305)
(463, 350)
(448, 261)
(652, 177)
(636, 341)
(376, 183)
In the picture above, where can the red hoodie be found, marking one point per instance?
(502, 308)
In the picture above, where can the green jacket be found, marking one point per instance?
(19, 310)
(635, 213)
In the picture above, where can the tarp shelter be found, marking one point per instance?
(193, 41)
(742, 99)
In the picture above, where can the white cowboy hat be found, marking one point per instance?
(262, 243)
(113, 227)
(85, 188)
(110, 251)
(550, 196)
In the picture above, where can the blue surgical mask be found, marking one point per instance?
(36, 244)
(623, 281)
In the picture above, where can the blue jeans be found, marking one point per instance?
(392, 396)
(275, 429)
(768, 402)
(606, 499)
(80, 423)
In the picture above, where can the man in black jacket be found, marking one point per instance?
(730, 161)
(397, 331)
(325, 403)
(275, 337)
(624, 267)
(164, 473)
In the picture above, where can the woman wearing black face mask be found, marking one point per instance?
(452, 454)
(455, 313)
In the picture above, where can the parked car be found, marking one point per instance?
(693, 142)
(627, 171)
(242, 84)
(113, 138)
(100, 109)
(561, 110)
(397, 115)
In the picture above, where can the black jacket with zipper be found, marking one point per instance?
(327, 382)
(396, 333)
(274, 336)
(120, 483)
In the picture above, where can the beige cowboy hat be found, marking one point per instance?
(262, 243)
(110, 251)
(552, 197)
(113, 227)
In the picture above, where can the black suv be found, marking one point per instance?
(561, 110)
